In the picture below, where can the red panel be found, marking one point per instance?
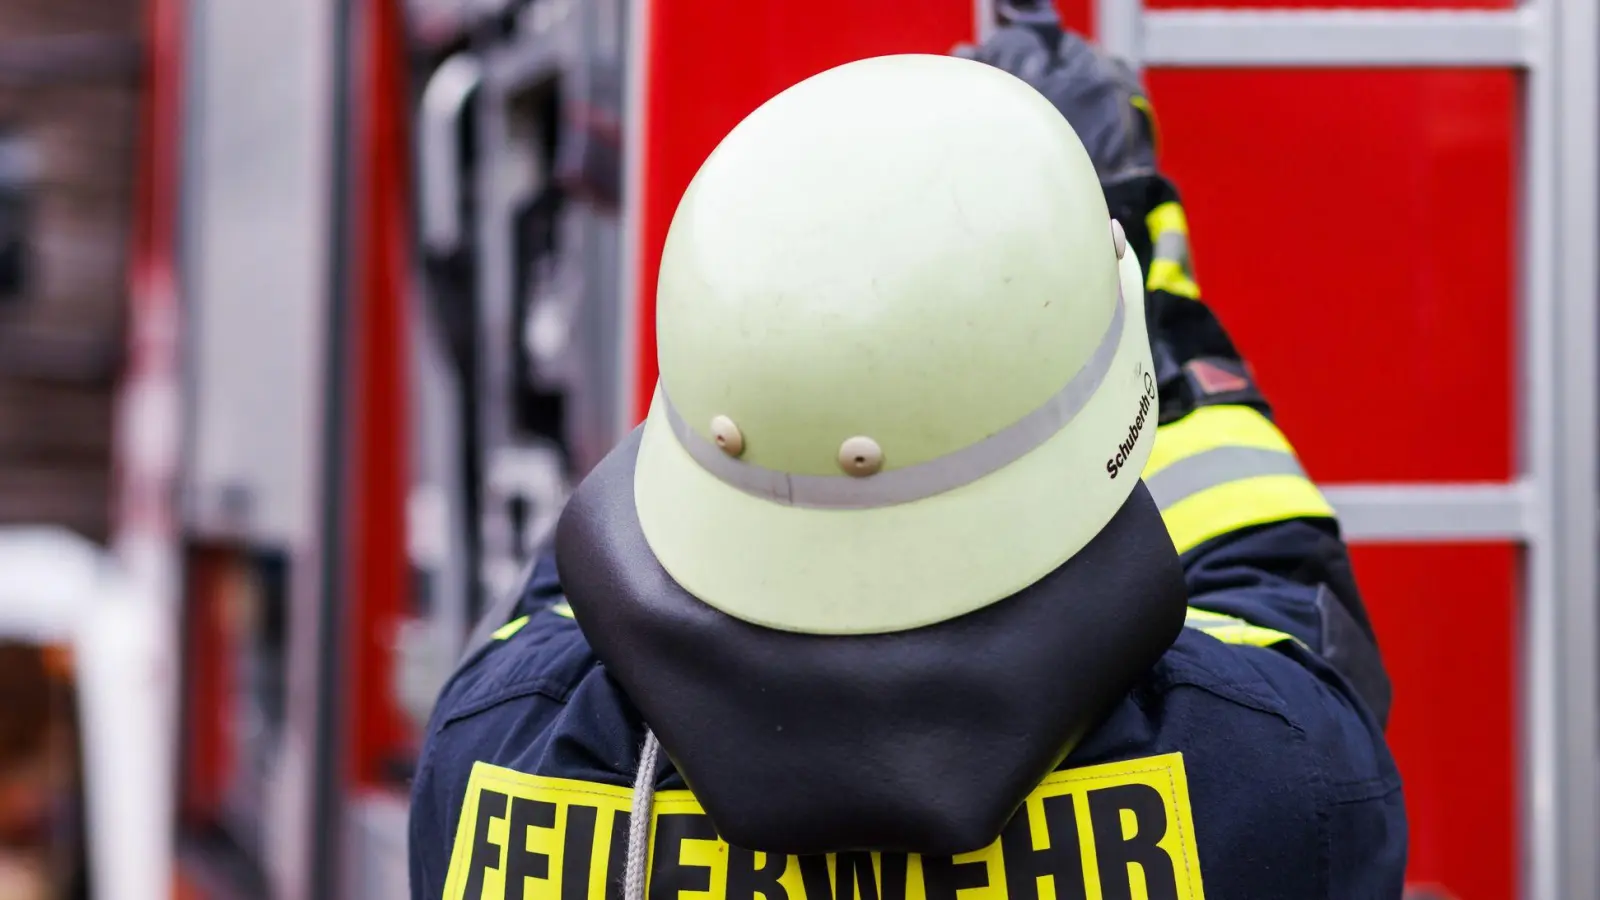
(1354, 229)
(1446, 618)
(1326, 4)
(209, 755)
(378, 583)
(1077, 15)
(711, 62)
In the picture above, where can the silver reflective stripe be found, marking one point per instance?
(1172, 245)
(1187, 477)
(924, 479)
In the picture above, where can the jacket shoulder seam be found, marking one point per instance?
(553, 689)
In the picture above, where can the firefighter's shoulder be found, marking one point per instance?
(1279, 758)
(520, 682)
(1267, 675)
(510, 705)
(539, 651)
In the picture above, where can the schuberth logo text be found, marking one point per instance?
(1125, 449)
(1122, 831)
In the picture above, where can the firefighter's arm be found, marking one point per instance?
(1259, 542)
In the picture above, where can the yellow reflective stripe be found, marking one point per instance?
(1239, 503)
(1248, 635)
(562, 608)
(1168, 275)
(1143, 105)
(509, 628)
(1167, 216)
(1242, 504)
(1233, 630)
(1209, 428)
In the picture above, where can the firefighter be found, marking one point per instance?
(958, 553)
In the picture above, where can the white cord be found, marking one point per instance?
(644, 802)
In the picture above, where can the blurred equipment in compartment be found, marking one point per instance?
(234, 712)
(520, 173)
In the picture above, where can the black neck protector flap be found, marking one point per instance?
(920, 741)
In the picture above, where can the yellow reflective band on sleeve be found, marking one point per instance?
(1143, 105)
(1223, 468)
(1166, 217)
(562, 608)
(1233, 630)
(1124, 829)
(509, 628)
(1242, 504)
(1212, 427)
(1168, 273)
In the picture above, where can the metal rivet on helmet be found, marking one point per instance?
(727, 435)
(1119, 240)
(860, 457)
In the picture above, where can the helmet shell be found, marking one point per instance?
(873, 298)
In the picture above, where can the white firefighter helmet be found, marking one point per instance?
(904, 373)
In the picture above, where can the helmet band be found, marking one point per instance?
(924, 479)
